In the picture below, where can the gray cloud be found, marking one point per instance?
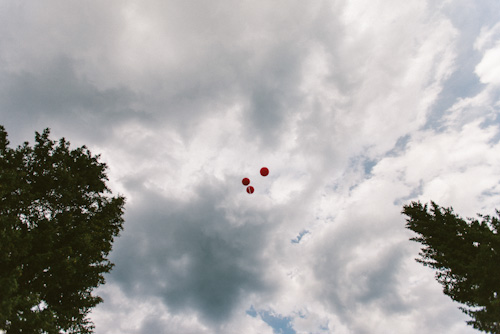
(55, 96)
(191, 256)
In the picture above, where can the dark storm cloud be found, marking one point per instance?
(244, 66)
(200, 59)
(272, 90)
(190, 255)
(55, 96)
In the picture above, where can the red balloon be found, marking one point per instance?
(245, 181)
(264, 171)
(250, 189)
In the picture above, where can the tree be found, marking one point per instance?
(466, 256)
(57, 225)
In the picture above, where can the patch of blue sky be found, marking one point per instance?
(252, 312)
(299, 237)
(362, 163)
(368, 165)
(490, 192)
(463, 82)
(324, 327)
(279, 324)
(415, 192)
(399, 147)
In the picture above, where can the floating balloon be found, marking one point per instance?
(264, 171)
(250, 189)
(245, 181)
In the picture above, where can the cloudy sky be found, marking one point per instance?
(357, 107)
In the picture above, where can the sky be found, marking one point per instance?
(356, 107)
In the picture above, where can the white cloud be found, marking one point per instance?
(487, 37)
(488, 69)
(488, 41)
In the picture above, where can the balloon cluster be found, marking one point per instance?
(246, 181)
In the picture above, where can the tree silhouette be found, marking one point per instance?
(466, 256)
(57, 225)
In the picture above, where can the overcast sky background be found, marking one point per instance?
(357, 107)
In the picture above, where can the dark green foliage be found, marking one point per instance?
(57, 226)
(466, 256)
